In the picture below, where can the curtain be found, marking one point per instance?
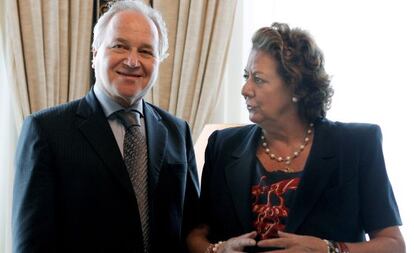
(50, 56)
(190, 78)
(8, 137)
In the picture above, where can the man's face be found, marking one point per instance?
(126, 62)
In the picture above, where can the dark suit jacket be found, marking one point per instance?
(343, 193)
(72, 191)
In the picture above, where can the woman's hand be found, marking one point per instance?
(237, 244)
(292, 243)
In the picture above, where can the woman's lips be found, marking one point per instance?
(250, 107)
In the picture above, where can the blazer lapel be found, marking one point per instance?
(95, 128)
(316, 175)
(238, 175)
(156, 141)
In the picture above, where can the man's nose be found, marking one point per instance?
(132, 60)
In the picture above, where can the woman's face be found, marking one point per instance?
(268, 98)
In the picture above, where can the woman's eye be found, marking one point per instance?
(258, 80)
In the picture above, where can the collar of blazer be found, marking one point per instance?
(95, 128)
(317, 172)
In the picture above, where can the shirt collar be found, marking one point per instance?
(109, 106)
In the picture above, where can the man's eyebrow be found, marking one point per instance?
(144, 45)
(121, 40)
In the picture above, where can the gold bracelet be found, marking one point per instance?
(331, 247)
(213, 248)
(342, 247)
(216, 246)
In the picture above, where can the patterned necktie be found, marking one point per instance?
(135, 158)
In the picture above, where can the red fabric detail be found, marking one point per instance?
(268, 214)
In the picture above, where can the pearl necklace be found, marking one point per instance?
(288, 159)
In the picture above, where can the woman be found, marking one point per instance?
(294, 181)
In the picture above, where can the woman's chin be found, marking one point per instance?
(255, 119)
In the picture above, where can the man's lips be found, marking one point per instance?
(129, 74)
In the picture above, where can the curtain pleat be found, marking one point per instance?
(15, 63)
(31, 24)
(210, 76)
(160, 93)
(80, 44)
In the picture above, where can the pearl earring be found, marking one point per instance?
(295, 99)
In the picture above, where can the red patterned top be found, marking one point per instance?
(272, 195)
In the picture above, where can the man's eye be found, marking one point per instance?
(118, 46)
(147, 52)
(245, 76)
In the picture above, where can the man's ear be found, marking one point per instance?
(93, 57)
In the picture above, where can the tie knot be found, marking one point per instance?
(128, 118)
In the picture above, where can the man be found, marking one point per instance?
(79, 185)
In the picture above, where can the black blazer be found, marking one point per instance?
(343, 193)
(72, 191)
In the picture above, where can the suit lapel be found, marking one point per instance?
(238, 175)
(156, 141)
(96, 130)
(316, 175)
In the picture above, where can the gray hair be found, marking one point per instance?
(139, 6)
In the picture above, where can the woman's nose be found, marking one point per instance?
(246, 90)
